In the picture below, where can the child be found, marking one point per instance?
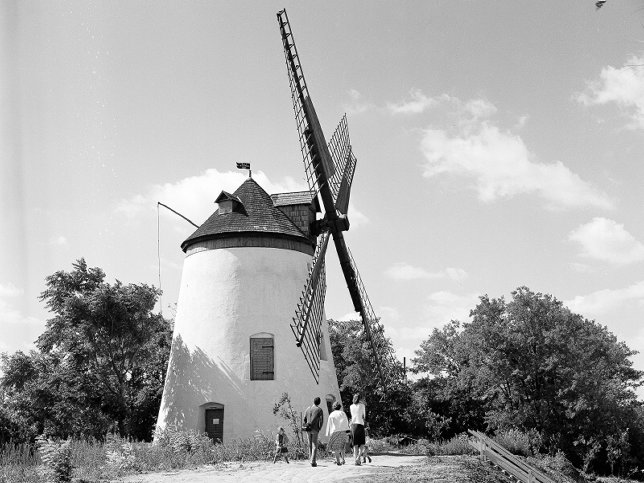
(365, 448)
(348, 446)
(280, 445)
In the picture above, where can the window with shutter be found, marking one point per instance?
(261, 359)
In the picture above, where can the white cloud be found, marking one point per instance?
(623, 86)
(521, 122)
(388, 314)
(18, 330)
(581, 267)
(501, 166)
(415, 104)
(456, 274)
(346, 317)
(478, 108)
(356, 104)
(603, 301)
(10, 291)
(194, 197)
(58, 240)
(441, 307)
(607, 240)
(466, 112)
(405, 271)
(356, 217)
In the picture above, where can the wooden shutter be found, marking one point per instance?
(261, 359)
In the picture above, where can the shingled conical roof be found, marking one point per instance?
(254, 215)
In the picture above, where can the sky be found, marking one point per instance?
(500, 144)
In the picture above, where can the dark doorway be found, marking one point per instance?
(215, 424)
(330, 399)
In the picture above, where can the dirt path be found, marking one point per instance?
(296, 471)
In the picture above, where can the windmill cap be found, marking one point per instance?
(252, 213)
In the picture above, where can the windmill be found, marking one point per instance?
(232, 355)
(329, 172)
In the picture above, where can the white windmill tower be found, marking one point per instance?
(233, 352)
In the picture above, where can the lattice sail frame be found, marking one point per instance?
(299, 90)
(307, 323)
(329, 170)
(382, 353)
(345, 165)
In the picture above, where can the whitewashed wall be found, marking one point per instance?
(226, 296)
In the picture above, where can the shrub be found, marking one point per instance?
(120, 456)
(416, 449)
(57, 458)
(557, 466)
(377, 446)
(457, 445)
(520, 443)
(19, 462)
(284, 409)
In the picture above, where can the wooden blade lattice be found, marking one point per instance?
(345, 165)
(382, 354)
(307, 323)
(299, 93)
(329, 170)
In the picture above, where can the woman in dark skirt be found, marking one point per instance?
(357, 427)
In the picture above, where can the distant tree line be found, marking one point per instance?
(526, 364)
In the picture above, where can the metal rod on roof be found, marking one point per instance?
(177, 213)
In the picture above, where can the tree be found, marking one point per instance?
(100, 362)
(386, 409)
(45, 395)
(533, 364)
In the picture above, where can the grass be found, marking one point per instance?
(99, 461)
(96, 461)
(18, 463)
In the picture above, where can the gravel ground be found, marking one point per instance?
(296, 471)
(389, 468)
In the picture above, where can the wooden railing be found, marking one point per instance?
(501, 457)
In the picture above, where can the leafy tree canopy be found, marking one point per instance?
(386, 409)
(100, 362)
(531, 363)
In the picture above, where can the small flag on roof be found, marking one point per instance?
(243, 165)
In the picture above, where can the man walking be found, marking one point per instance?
(313, 420)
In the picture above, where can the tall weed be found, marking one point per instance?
(56, 457)
(519, 442)
(93, 460)
(19, 462)
(457, 445)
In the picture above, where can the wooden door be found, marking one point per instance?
(215, 424)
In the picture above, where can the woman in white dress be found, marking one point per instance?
(338, 429)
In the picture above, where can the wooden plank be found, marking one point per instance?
(507, 466)
(500, 449)
(501, 457)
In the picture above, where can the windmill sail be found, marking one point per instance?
(312, 143)
(307, 322)
(329, 172)
(345, 165)
(383, 359)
